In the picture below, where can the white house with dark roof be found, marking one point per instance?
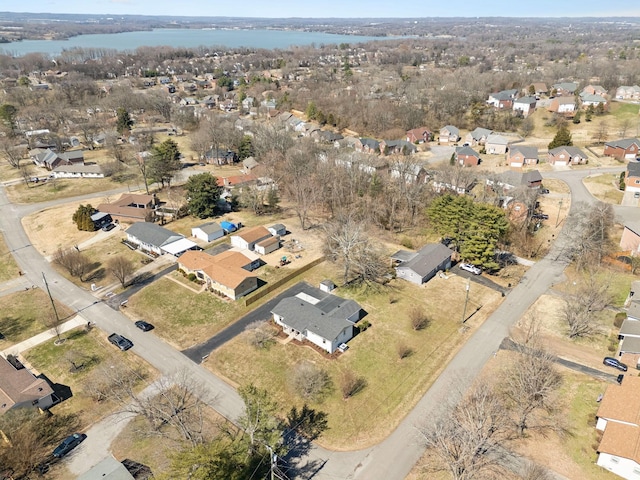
(525, 105)
(78, 171)
(155, 239)
(496, 144)
(477, 136)
(321, 318)
(449, 134)
(421, 266)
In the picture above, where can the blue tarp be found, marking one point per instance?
(228, 226)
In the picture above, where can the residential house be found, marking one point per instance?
(107, 469)
(624, 149)
(208, 232)
(448, 135)
(408, 171)
(467, 157)
(632, 177)
(157, 240)
(220, 156)
(520, 155)
(478, 136)
(589, 100)
(100, 219)
(77, 171)
(513, 179)
(539, 89)
(563, 105)
(268, 245)
(525, 105)
(49, 159)
(21, 388)
(503, 100)
(565, 156)
(496, 144)
(131, 207)
(249, 164)
(564, 88)
(630, 239)
(228, 273)
(367, 145)
(320, 318)
(618, 417)
(627, 92)
(247, 238)
(327, 136)
(594, 90)
(419, 135)
(397, 147)
(421, 266)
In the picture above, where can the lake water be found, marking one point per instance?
(269, 39)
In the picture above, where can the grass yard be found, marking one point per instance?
(59, 188)
(393, 385)
(605, 187)
(625, 111)
(8, 266)
(92, 349)
(24, 314)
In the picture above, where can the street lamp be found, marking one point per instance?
(558, 217)
(466, 300)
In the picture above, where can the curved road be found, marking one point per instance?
(393, 458)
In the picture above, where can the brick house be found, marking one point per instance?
(632, 178)
(565, 156)
(467, 157)
(625, 149)
(520, 155)
(419, 135)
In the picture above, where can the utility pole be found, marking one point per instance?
(276, 474)
(559, 209)
(466, 300)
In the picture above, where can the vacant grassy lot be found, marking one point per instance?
(8, 267)
(59, 188)
(25, 314)
(605, 187)
(625, 111)
(393, 385)
(90, 349)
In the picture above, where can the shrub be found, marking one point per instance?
(310, 381)
(261, 334)
(404, 350)
(419, 319)
(407, 242)
(619, 318)
(351, 384)
(364, 325)
(192, 277)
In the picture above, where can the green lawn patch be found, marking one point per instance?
(24, 315)
(623, 111)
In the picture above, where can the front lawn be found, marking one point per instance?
(393, 385)
(8, 266)
(58, 188)
(25, 314)
(605, 187)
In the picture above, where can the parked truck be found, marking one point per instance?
(121, 342)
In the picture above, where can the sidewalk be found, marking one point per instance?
(44, 336)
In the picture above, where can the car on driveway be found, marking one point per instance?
(470, 268)
(540, 216)
(68, 444)
(615, 363)
(544, 191)
(108, 227)
(144, 326)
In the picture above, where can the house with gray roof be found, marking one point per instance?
(478, 136)
(521, 155)
(21, 388)
(503, 100)
(107, 469)
(496, 144)
(565, 156)
(421, 266)
(318, 317)
(525, 105)
(448, 135)
(565, 88)
(467, 156)
(78, 171)
(623, 149)
(157, 240)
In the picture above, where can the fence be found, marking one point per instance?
(278, 283)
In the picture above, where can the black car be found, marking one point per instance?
(68, 444)
(108, 227)
(540, 216)
(615, 363)
(144, 326)
(544, 191)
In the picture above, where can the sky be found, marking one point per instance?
(333, 8)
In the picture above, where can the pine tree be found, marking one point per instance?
(562, 138)
(82, 218)
(124, 122)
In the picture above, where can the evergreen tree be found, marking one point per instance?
(124, 122)
(82, 218)
(562, 138)
(164, 162)
(203, 193)
(577, 116)
(245, 150)
(8, 116)
(273, 199)
(312, 111)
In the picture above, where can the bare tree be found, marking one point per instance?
(351, 384)
(589, 297)
(419, 318)
(11, 153)
(72, 260)
(121, 268)
(261, 334)
(310, 381)
(469, 441)
(299, 170)
(530, 386)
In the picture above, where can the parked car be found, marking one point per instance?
(615, 363)
(636, 195)
(68, 444)
(470, 268)
(121, 342)
(144, 326)
(540, 216)
(108, 227)
(544, 191)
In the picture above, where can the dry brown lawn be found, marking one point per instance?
(393, 385)
(605, 187)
